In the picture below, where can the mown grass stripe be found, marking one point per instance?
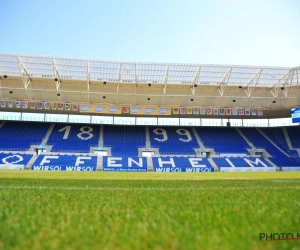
(142, 189)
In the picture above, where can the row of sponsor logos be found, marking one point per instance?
(122, 169)
(107, 109)
(129, 164)
(39, 105)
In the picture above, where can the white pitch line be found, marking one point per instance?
(286, 181)
(140, 189)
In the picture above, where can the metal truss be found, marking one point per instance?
(164, 89)
(25, 78)
(223, 84)
(56, 79)
(283, 84)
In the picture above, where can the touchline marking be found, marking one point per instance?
(286, 181)
(137, 189)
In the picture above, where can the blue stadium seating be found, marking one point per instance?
(278, 138)
(223, 140)
(73, 138)
(180, 162)
(240, 162)
(259, 141)
(294, 134)
(173, 140)
(15, 158)
(124, 140)
(123, 161)
(65, 160)
(20, 135)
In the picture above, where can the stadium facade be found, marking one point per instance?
(69, 115)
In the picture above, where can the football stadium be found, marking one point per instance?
(126, 155)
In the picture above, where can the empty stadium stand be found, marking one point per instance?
(277, 137)
(69, 147)
(124, 140)
(15, 158)
(19, 136)
(278, 156)
(294, 135)
(220, 138)
(73, 138)
(181, 164)
(240, 162)
(173, 140)
(65, 162)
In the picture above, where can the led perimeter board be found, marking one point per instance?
(295, 114)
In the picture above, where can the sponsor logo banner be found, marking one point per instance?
(215, 111)
(290, 168)
(3, 103)
(53, 105)
(189, 111)
(234, 111)
(68, 106)
(11, 166)
(60, 106)
(246, 169)
(99, 109)
(222, 111)
(247, 111)
(228, 111)
(158, 169)
(24, 104)
(241, 111)
(253, 111)
(74, 106)
(39, 105)
(121, 164)
(196, 111)
(46, 105)
(260, 112)
(32, 105)
(150, 111)
(181, 164)
(175, 111)
(18, 104)
(62, 168)
(125, 110)
(182, 110)
(10, 103)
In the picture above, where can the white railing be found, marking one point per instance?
(146, 121)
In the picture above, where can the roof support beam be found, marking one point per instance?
(118, 84)
(0, 88)
(165, 87)
(282, 83)
(223, 85)
(88, 82)
(298, 89)
(57, 79)
(25, 78)
(286, 86)
(195, 80)
(252, 83)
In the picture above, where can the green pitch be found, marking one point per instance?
(77, 210)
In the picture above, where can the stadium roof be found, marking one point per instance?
(136, 83)
(136, 72)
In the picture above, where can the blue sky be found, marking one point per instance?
(245, 32)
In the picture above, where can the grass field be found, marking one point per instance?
(77, 210)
